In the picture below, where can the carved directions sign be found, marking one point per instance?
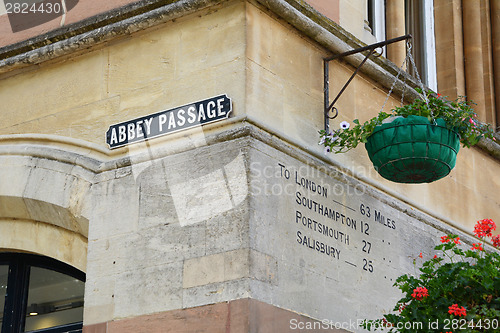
(169, 121)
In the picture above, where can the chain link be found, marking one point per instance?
(405, 62)
(417, 75)
(395, 81)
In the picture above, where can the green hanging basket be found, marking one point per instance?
(412, 150)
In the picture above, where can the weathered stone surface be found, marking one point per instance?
(45, 239)
(216, 268)
(332, 238)
(148, 290)
(27, 191)
(215, 293)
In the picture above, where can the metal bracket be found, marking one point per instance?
(371, 48)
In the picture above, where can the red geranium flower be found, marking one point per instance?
(444, 239)
(447, 239)
(477, 246)
(484, 228)
(496, 240)
(419, 293)
(456, 310)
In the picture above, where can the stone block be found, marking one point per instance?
(203, 270)
(58, 87)
(45, 239)
(105, 256)
(42, 182)
(148, 290)
(265, 96)
(13, 178)
(142, 101)
(115, 200)
(216, 268)
(143, 61)
(88, 122)
(215, 293)
(352, 16)
(97, 314)
(222, 34)
(209, 185)
(13, 207)
(160, 245)
(236, 264)
(228, 231)
(263, 267)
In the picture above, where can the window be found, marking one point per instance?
(39, 294)
(420, 24)
(376, 18)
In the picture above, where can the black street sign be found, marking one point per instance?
(169, 121)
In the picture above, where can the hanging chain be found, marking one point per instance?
(408, 55)
(416, 74)
(395, 81)
(407, 63)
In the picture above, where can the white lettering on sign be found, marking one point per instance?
(169, 121)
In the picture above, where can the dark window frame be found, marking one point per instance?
(17, 289)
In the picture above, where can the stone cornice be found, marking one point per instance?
(96, 30)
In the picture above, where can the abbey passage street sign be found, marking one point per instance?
(169, 121)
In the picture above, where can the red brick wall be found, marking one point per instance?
(83, 9)
(239, 316)
(329, 8)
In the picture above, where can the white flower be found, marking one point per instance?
(333, 138)
(344, 125)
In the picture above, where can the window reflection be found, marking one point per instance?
(54, 299)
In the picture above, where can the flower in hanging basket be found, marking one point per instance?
(415, 143)
(344, 125)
